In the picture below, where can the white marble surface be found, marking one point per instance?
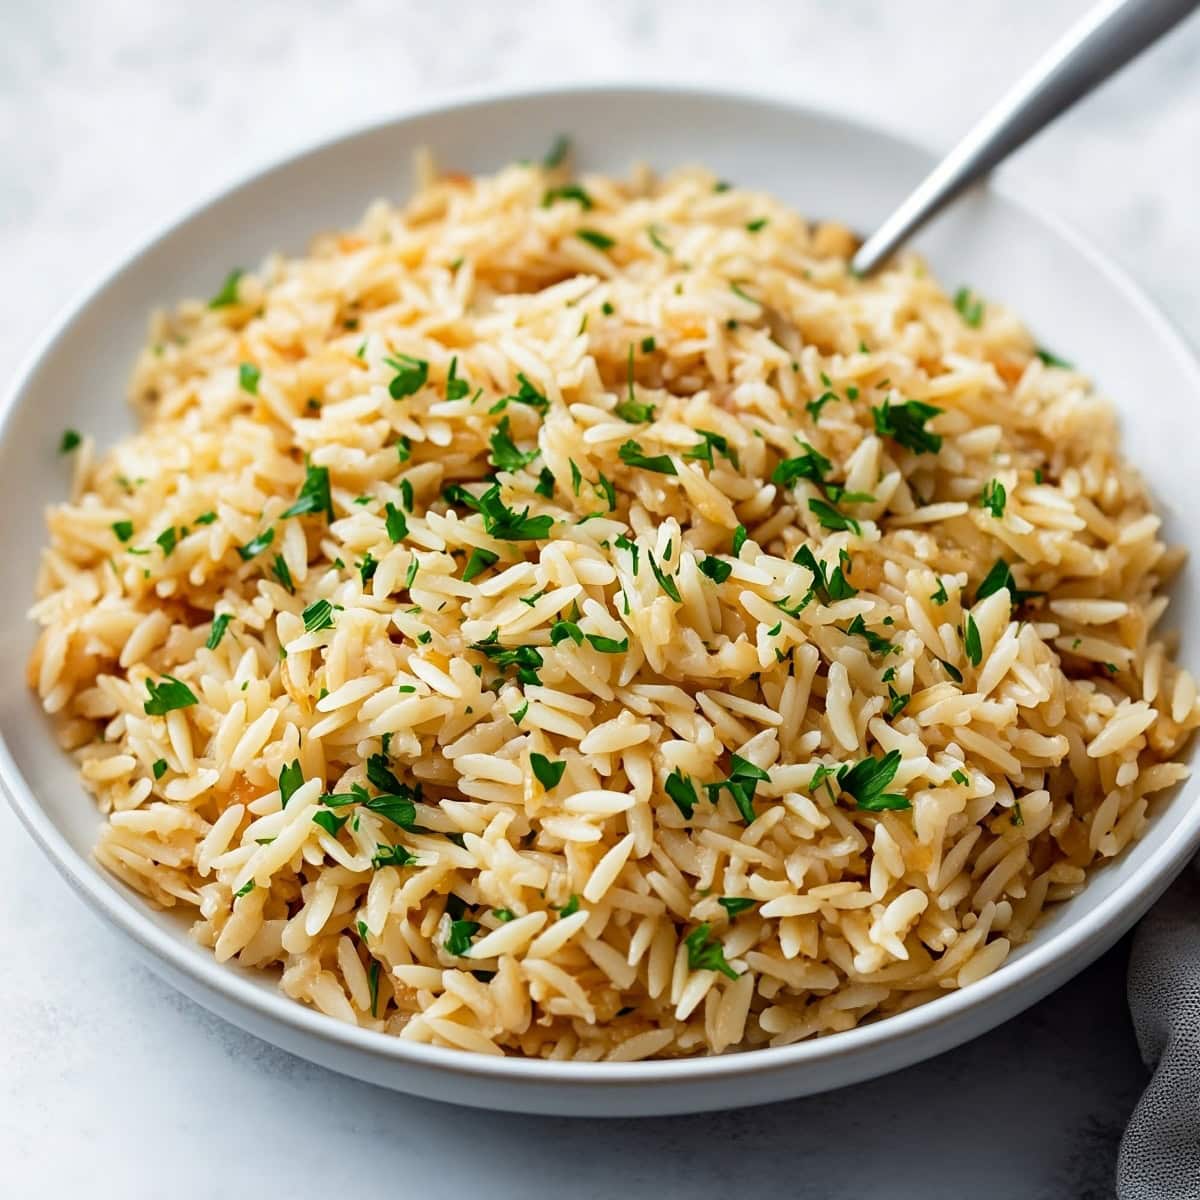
(114, 114)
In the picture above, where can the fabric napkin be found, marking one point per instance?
(1160, 1152)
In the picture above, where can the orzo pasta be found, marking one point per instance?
(580, 619)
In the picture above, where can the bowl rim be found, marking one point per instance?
(271, 1005)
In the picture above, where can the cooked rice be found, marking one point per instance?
(577, 913)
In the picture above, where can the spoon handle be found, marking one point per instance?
(1097, 46)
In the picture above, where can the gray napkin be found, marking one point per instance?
(1160, 1153)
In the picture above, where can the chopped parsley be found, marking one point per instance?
(330, 822)
(897, 701)
(969, 307)
(905, 424)
(703, 450)
(680, 788)
(971, 642)
(951, 670)
(1052, 360)
(167, 695)
(717, 569)
(810, 465)
(666, 582)
(568, 191)
(479, 561)
(391, 856)
(867, 780)
(960, 777)
(648, 345)
(167, 540)
(411, 375)
(248, 377)
(257, 545)
(630, 409)
(829, 587)
(244, 890)
(831, 518)
(571, 907)
(217, 632)
(875, 642)
(526, 659)
(560, 631)
(594, 237)
(123, 530)
(318, 615)
(1000, 576)
(397, 525)
(505, 455)
(314, 495)
(70, 440)
(757, 224)
(993, 497)
(545, 483)
(366, 569)
(548, 773)
(940, 596)
(159, 768)
(744, 777)
(607, 645)
(739, 540)
(656, 239)
(735, 904)
(631, 455)
(814, 406)
(373, 985)
(456, 388)
(706, 955)
(228, 293)
(458, 941)
(291, 778)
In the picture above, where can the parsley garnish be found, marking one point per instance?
(456, 388)
(705, 955)
(656, 239)
(960, 777)
(897, 701)
(217, 632)
(739, 540)
(905, 423)
(828, 587)
(680, 788)
(167, 695)
(569, 191)
(757, 224)
(391, 856)
(993, 497)
(571, 907)
(865, 781)
(594, 237)
(664, 581)
(123, 530)
(809, 465)
(814, 406)
(969, 307)
(1052, 360)
(314, 495)
(257, 545)
(971, 642)
(607, 645)
(631, 455)
(330, 822)
(830, 518)
(717, 569)
(548, 773)
(167, 540)
(703, 450)
(505, 455)
(630, 409)
(527, 659)
(244, 890)
(410, 377)
(940, 596)
(229, 290)
(160, 768)
(735, 904)
(875, 643)
(70, 440)
(744, 777)
(291, 778)
(1000, 576)
(545, 483)
(458, 942)
(248, 377)
(318, 615)
(397, 525)
(561, 630)
(479, 561)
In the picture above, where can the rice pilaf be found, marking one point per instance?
(579, 619)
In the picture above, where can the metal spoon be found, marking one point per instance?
(1097, 46)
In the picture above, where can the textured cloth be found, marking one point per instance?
(1160, 1153)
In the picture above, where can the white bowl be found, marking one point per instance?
(825, 166)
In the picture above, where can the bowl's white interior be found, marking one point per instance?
(821, 165)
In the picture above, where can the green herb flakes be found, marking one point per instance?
(167, 695)
(548, 773)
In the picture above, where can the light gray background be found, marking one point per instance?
(113, 116)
